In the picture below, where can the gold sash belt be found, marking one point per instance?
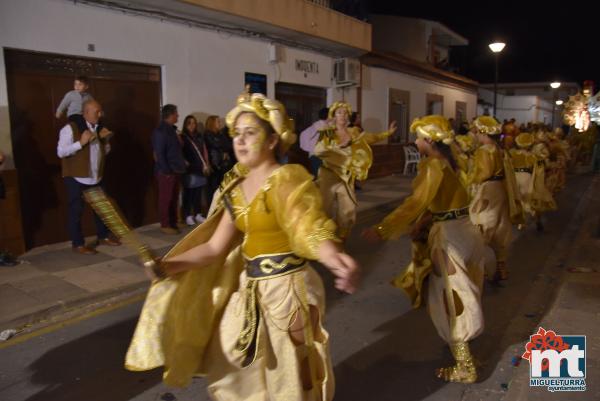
(260, 268)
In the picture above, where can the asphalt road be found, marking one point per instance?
(381, 348)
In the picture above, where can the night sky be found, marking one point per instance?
(546, 43)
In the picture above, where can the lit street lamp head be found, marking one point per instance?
(559, 102)
(555, 85)
(497, 47)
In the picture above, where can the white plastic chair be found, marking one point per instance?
(411, 159)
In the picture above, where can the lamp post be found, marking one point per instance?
(554, 86)
(496, 48)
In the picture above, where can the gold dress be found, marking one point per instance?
(524, 163)
(542, 199)
(557, 166)
(455, 249)
(231, 320)
(494, 207)
(342, 165)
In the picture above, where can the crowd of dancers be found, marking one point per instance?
(237, 299)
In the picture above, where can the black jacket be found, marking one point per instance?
(167, 150)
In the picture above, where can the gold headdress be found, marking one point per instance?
(434, 127)
(337, 105)
(524, 140)
(487, 125)
(268, 110)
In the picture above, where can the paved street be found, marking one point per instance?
(382, 349)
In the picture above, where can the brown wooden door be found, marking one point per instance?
(302, 104)
(130, 96)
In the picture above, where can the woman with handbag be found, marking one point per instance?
(198, 171)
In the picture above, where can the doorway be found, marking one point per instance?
(398, 110)
(302, 103)
(130, 95)
(434, 104)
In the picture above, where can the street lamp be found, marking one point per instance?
(559, 102)
(496, 48)
(554, 86)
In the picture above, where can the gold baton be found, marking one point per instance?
(109, 213)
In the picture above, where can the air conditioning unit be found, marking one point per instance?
(346, 72)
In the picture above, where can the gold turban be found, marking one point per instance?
(434, 127)
(524, 140)
(487, 125)
(268, 110)
(337, 105)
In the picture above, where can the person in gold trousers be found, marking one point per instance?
(241, 303)
(347, 157)
(453, 256)
(524, 162)
(543, 199)
(496, 202)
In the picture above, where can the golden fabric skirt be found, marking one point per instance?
(275, 373)
(489, 211)
(339, 200)
(525, 186)
(458, 255)
(541, 198)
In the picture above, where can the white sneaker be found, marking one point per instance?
(190, 221)
(200, 219)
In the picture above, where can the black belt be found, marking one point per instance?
(524, 170)
(261, 267)
(498, 177)
(264, 266)
(450, 214)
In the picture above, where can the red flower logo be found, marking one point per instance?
(542, 341)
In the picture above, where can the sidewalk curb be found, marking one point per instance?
(63, 310)
(53, 312)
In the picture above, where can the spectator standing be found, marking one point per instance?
(220, 150)
(82, 157)
(309, 138)
(169, 166)
(195, 180)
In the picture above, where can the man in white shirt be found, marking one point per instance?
(309, 138)
(82, 157)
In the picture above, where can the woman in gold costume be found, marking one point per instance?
(453, 256)
(542, 200)
(462, 150)
(495, 205)
(347, 157)
(241, 303)
(559, 158)
(524, 162)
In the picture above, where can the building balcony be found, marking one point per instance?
(297, 23)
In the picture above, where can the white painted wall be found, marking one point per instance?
(203, 71)
(375, 92)
(522, 108)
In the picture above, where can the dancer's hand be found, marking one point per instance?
(393, 127)
(342, 266)
(155, 270)
(371, 235)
